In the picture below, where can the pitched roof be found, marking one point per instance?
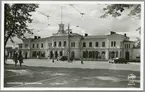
(95, 36)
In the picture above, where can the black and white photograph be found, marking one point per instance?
(67, 45)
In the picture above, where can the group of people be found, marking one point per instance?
(18, 57)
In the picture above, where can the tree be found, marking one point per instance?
(16, 18)
(116, 10)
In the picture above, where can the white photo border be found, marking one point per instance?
(75, 2)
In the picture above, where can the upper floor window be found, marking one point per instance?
(103, 44)
(127, 45)
(20, 45)
(41, 45)
(90, 44)
(84, 44)
(54, 44)
(97, 44)
(37, 45)
(26, 45)
(64, 43)
(72, 44)
(59, 43)
(33, 46)
(113, 43)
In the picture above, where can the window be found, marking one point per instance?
(84, 44)
(90, 44)
(97, 44)
(37, 45)
(127, 45)
(64, 43)
(26, 45)
(103, 44)
(41, 45)
(54, 44)
(113, 43)
(20, 45)
(59, 44)
(73, 44)
(116, 53)
(33, 46)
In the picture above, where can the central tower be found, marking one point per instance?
(61, 25)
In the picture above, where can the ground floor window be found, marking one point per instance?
(60, 53)
(113, 54)
(56, 54)
(94, 54)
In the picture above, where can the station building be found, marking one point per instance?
(90, 47)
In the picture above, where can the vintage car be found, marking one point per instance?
(118, 60)
(64, 58)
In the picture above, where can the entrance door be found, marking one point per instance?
(127, 55)
(51, 54)
(26, 55)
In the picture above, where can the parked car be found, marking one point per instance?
(118, 60)
(64, 58)
(111, 60)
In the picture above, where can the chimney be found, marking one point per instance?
(125, 34)
(39, 37)
(86, 34)
(35, 37)
(111, 32)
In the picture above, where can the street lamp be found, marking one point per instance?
(68, 43)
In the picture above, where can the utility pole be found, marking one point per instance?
(81, 52)
(68, 43)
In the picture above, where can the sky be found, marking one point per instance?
(90, 23)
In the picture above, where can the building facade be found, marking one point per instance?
(96, 47)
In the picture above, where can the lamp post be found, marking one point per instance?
(68, 43)
(81, 52)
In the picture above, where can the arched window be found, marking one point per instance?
(60, 53)
(93, 54)
(112, 54)
(87, 54)
(84, 54)
(116, 53)
(97, 54)
(51, 54)
(103, 55)
(56, 54)
(103, 52)
(90, 54)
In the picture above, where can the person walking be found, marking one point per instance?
(52, 58)
(15, 58)
(20, 58)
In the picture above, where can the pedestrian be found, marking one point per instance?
(20, 58)
(15, 58)
(52, 58)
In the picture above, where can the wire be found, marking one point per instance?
(77, 10)
(43, 14)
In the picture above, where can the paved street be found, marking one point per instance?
(77, 64)
(43, 73)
